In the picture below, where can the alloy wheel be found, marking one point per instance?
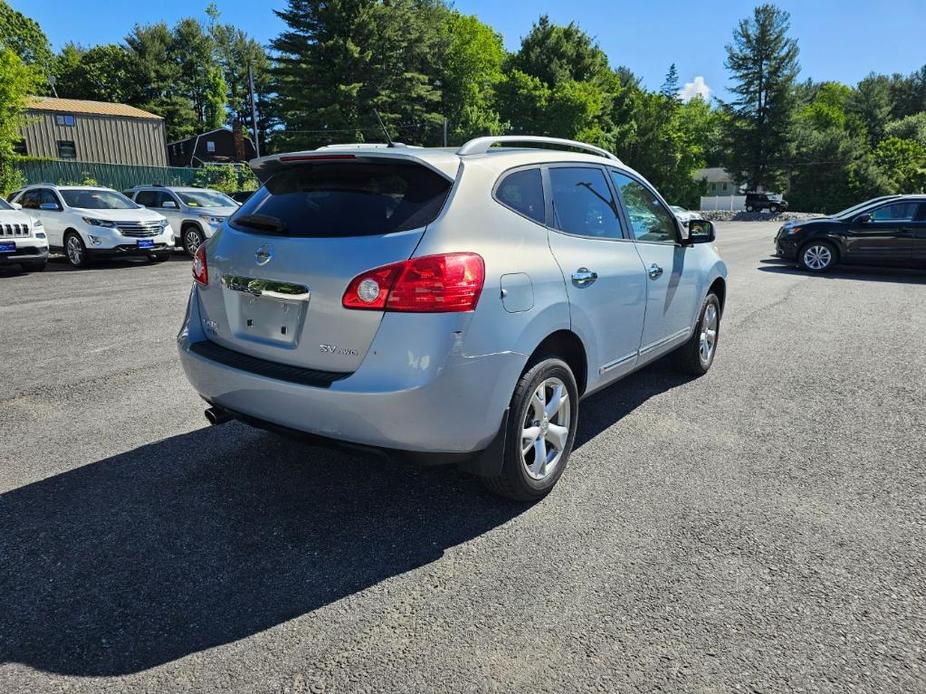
(75, 250)
(708, 337)
(193, 241)
(545, 429)
(818, 257)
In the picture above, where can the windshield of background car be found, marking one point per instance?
(345, 199)
(205, 198)
(89, 199)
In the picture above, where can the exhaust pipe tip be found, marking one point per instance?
(216, 415)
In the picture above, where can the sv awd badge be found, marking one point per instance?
(334, 349)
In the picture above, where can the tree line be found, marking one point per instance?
(434, 73)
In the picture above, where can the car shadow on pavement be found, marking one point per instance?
(604, 409)
(849, 272)
(209, 537)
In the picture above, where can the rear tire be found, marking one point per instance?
(774, 209)
(696, 356)
(540, 432)
(749, 208)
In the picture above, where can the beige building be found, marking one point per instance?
(93, 131)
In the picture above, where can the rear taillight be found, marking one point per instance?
(432, 284)
(200, 270)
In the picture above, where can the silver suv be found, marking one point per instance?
(449, 306)
(194, 213)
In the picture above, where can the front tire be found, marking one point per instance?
(818, 256)
(749, 208)
(542, 423)
(75, 250)
(696, 356)
(193, 238)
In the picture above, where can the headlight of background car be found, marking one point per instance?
(99, 222)
(213, 220)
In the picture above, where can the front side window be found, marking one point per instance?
(582, 202)
(49, 198)
(92, 199)
(896, 212)
(522, 191)
(650, 220)
(31, 199)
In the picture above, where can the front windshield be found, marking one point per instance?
(205, 198)
(849, 211)
(4, 205)
(93, 199)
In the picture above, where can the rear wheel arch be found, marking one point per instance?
(565, 345)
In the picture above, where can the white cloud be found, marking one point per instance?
(696, 88)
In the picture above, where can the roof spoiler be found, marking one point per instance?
(265, 167)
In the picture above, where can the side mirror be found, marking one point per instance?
(863, 218)
(169, 205)
(701, 231)
(16, 205)
(49, 206)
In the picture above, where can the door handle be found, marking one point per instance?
(584, 277)
(654, 271)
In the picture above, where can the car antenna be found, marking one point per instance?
(389, 142)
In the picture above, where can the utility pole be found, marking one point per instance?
(253, 111)
(445, 132)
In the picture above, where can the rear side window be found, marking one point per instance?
(522, 191)
(344, 199)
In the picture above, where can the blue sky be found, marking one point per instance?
(839, 40)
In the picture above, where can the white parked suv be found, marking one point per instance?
(88, 222)
(194, 213)
(22, 239)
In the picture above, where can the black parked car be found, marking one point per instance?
(773, 202)
(889, 230)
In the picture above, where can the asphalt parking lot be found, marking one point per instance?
(762, 528)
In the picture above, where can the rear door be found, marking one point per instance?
(672, 294)
(887, 238)
(279, 269)
(604, 276)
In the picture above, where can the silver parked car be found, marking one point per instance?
(194, 213)
(450, 306)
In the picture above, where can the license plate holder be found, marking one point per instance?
(7, 246)
(145, 243)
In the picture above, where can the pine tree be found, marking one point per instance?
(669, 87)
(763, 63)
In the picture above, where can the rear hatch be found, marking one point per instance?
(279, 268)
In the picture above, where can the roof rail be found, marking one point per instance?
(481, 145)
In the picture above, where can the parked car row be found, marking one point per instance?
(91, 222)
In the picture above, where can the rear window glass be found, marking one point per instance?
(344, 199)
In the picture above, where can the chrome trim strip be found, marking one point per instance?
(617, 362)
(266, 288)
(684, 332)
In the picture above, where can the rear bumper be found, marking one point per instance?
(453, 406)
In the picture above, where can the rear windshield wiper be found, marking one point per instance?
(262, 222)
